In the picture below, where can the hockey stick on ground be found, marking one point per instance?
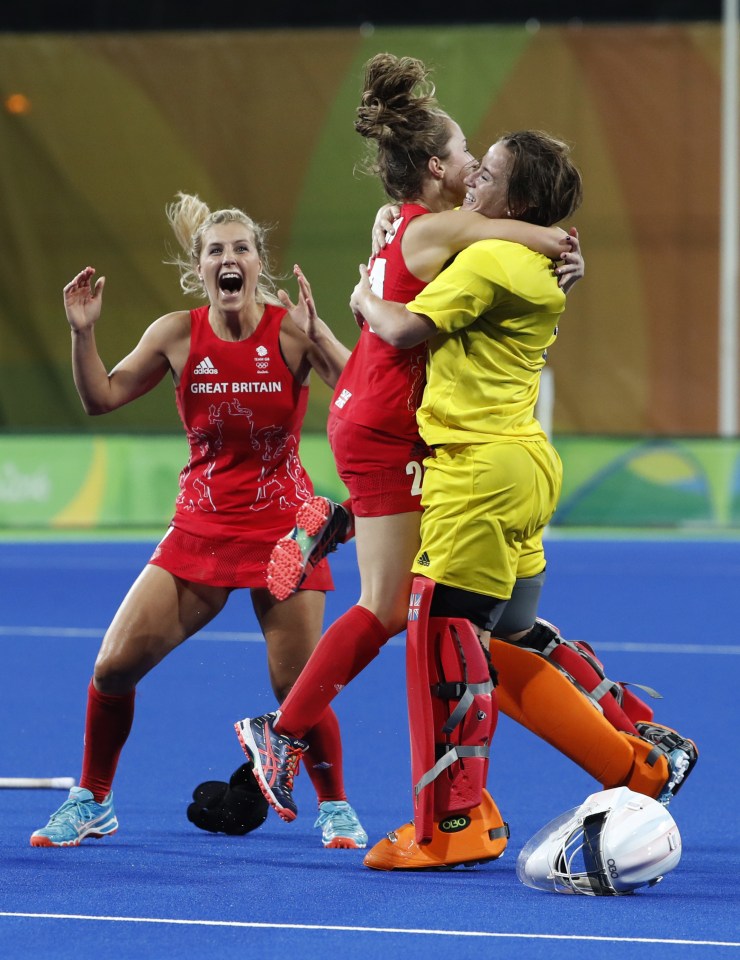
(35, 783)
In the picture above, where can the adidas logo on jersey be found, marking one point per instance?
(205, 366)
(423, 559)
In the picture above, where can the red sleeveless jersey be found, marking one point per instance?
(242, 410)
(381, 386)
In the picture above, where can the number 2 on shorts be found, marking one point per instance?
(415, 470)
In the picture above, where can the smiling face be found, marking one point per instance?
(229, 264)
(488, 185)
(458, 163)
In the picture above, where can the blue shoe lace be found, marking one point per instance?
(79, 816)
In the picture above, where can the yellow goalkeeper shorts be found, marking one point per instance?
(486, 506)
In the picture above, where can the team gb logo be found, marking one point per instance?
(262, 359)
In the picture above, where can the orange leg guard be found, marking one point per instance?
(536, 694)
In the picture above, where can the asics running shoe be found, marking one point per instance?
(340, 827)
(80, 816)
(680, 753)
(320, 526)
(275, 758)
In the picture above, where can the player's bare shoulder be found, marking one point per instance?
(172, 326)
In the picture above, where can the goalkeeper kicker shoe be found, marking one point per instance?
(275, 758)
(459, 839)
(680, 754)
(320, 526)
(80, 816)
(340, 826)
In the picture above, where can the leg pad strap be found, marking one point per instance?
(619, 705)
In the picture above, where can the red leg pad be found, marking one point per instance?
(421, 716)
(635, 708)
(461, 659)
(444, 663)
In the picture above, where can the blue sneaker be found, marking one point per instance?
(320, 526)
(340, 828)
(680, 753)
(78, 817)
(275, 757)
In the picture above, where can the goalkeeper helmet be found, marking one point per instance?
(614, 842)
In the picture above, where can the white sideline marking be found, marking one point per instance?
(618, 646)
(627, 646)
(348, 929)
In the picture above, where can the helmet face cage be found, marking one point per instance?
(614, 843)
(583, 843)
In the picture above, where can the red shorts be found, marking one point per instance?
(382, 472)
(225, 563)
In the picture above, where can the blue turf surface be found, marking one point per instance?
(173, 891)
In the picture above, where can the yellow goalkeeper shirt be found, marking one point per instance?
(496, 309)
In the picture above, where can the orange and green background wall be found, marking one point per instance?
(110, 126)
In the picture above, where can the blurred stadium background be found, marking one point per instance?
(109, 109)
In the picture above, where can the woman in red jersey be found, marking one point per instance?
(240, 365)
(422, 160)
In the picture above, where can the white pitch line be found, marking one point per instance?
(625, 646)
(389, 930)
(637, 647)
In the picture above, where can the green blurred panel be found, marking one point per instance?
(681, 483)
(734, 498)
(624, 498)
(41, 477)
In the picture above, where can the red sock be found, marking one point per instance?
(323, 759)
(348, 646)
(107, 726)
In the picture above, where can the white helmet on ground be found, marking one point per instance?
(615, 842)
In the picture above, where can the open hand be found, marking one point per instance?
(303, 314)
(83, 299)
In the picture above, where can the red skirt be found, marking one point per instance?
(225, 563)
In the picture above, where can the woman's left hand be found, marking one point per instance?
(358, 294)
(303, 314)
(571, 266)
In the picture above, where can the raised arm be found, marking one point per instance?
(100, 391)
(317, 348)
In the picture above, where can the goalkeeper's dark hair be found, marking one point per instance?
(545, 186)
